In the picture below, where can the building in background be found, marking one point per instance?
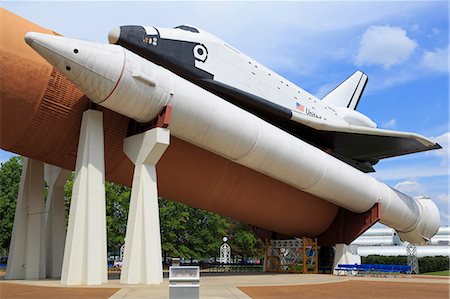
(386, 242)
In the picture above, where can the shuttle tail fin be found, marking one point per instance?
(348, 93)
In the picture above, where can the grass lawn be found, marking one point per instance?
(441, 273)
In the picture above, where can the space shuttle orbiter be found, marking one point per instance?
(332, 123)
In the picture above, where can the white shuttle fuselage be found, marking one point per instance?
(233, 68)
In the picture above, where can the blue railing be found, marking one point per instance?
(372, 269)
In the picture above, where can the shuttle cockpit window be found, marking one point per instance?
(187, 28)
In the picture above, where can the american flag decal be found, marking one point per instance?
(300, 107)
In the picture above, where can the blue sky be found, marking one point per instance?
(402, 47)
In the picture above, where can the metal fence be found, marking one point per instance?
(234, 268)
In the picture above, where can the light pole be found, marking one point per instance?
(225, 252)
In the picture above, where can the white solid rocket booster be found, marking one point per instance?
(122, 81)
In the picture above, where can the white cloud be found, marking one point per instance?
(443, 203)
(390, 124)
(413, 170)
(436, 60)
(444, 198)
(435, 31)
(415, 27)
(443, 153)
(445, 216)
(324, 89)
(410, 187)
(384, 45)
(444, 141)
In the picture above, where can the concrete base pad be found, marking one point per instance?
(262, 285)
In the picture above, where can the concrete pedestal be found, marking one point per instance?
(345, 254)
(55, 222)
(85, 260)
(27, 249)
(142, 259)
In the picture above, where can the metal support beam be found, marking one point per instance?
(163, 119)
(411, 252)
(284, 256)
(347, 226)
(310, 253)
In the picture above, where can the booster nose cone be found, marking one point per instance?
(48, 46)
(29, 38)
(114, 35)
(95, 68)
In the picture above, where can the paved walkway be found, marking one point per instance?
(239, 286)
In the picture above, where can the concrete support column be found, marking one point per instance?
(142, 259)
(85, 260)
(55, 222)
(345, 254)
(27, 248)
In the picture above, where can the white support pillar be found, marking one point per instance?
(55, 221)
(85, 260)
(345, 254)
(27, 248)
(142, 262)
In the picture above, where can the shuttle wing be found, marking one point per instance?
(361, 147)
(364, 144)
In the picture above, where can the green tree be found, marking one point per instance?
(10, 172)
(205, 231)
(185, 231)
(173, 218)
(68, 195)
(190, 232)
(117, 205)
(244, 242)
